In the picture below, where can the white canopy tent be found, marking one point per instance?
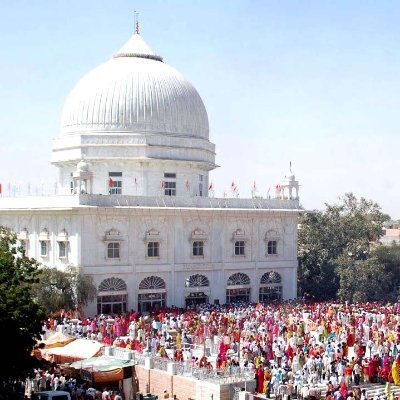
(79, 349)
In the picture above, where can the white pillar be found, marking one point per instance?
(148, 363)
(171, 368)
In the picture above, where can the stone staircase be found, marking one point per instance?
(371, 389)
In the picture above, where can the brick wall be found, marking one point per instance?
(143, 378)
(160, 380)
(155, 381)
(184, 388)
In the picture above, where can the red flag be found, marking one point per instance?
(210, 186)
(110, 182)
(254, 185)
(162, 184)
(1, 189)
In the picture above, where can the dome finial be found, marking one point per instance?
(136, 22)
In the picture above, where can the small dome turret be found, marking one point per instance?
(82, 166)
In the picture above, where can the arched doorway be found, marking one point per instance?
(270, 287)
(197, 290)
(112, 296)
(152, 294)
(238, 288)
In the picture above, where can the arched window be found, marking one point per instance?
(238, 288)
(112, 297)
(112, 284)
(271, 277)
(197, 291)
(238, 279)
(197, 280)
(270, 287)
(152, 282)
(152, 294)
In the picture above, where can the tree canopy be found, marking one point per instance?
(21, 317)
(336, 251)
(66, 290)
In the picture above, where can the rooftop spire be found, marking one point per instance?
(136, 22)
(136, 46)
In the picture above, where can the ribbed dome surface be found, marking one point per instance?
(135, 92)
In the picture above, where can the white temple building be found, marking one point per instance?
(133, 207)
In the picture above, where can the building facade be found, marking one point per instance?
(135, 208)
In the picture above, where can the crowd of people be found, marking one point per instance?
(291, 348)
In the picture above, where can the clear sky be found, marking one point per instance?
(316, 83)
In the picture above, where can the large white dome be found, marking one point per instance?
(135, 92)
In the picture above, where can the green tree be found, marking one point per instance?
(85, 290)
(316, 276)
(389, 256)
(362, 280)
(21, 317)
(327, 237)
(68, 290)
